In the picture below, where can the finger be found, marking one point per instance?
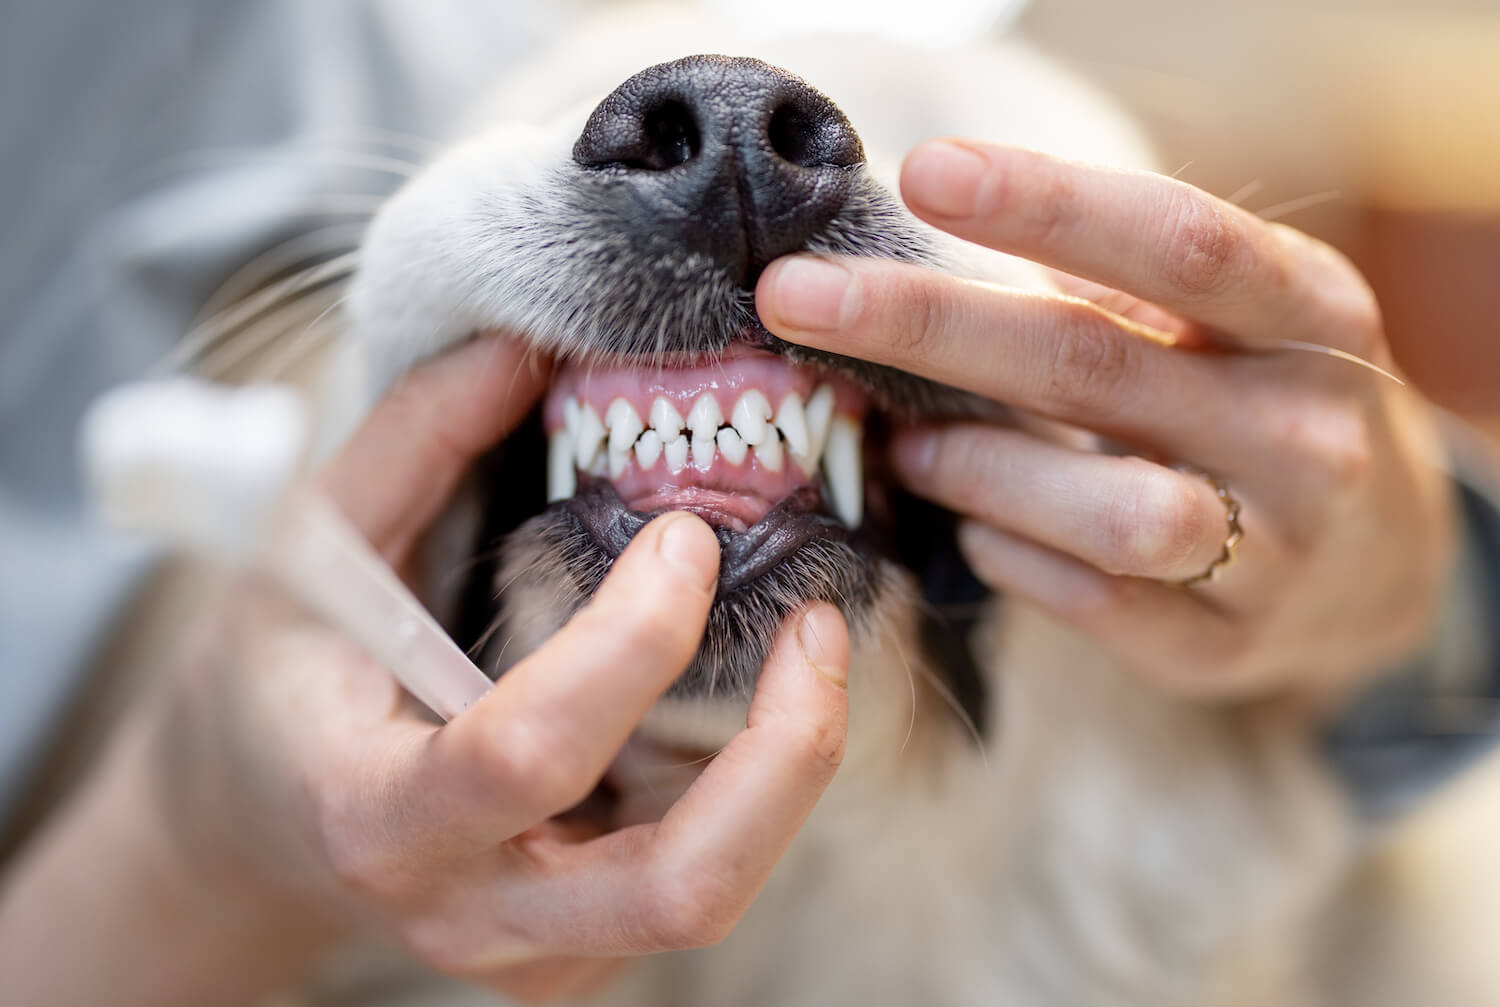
(540, 740)
(686, 881)
(551, 979)
(1125, 516)
(400, 468)
(1059, 356)
(1152, 236)
(1167, 635)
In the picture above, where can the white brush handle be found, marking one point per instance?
(214, 469)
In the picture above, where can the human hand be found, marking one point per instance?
(292, 764)
(1169, 347)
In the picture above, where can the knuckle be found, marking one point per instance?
(1092, 364)
(528, 759)
(437, 943)
(964, 465)
(691, 912)
(930, 311)
(359, 861)
(1159, 525)
(1048, 213)
(1203, 245)
(820, 747)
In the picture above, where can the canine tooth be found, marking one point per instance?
(617, 462)
(590, 438)
(666, 421)
(705, 418)
(703, 453)
(570, 414)
(624, 425)
(844, 468)
(750, 415)
(791, 420)
(676, 452)
(819, 414)
(732, 446)
(769, 454)
(648, 449)
(562, 481)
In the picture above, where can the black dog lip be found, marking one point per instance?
(743, 556)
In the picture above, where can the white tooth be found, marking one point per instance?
(570, 414)
(666, 421)
(844, 467)
(750, 415)
(819, 414)
(732, 446)
(562, 481)
(617, 462)
(769, 453)
(648, 449)
(590, 438)
(705, 418)
(624, 425)
(600, 464)
(792, 422)
(676, 452)
(703, 454)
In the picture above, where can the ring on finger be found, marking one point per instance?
(1232, 538)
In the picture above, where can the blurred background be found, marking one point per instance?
(153, 148)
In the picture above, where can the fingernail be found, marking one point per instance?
(945, 178)
(689, 547)
(813, 293)
(913, 453)
(814, 634)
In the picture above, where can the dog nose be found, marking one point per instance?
(736, 159)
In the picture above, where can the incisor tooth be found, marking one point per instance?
(703, 453)
(590, 438)
(624, 425)
(562, 481)
(769, 454)
(750, 415)
(676, 453)
(617, 462)
(570, 414)
(732, 446)
(705, 418)
(792, 422)
(819, 414)
(666, 421)
(844, 468)
(648, 449)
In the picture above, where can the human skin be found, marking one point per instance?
(1164, 334)
(278, 794)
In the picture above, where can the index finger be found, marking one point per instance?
(1155, 237)
(399, 469)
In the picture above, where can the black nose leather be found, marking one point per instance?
(735, 158)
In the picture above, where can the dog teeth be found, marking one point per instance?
(648, 449)
(791, 420)
(705, 418)
(843, 467)
(590, 438)
(703, 452)
(809, 432)
(750, 415)
(624, 426)
(732, 446)
(769, 454)
(562, 478)
(666, 421)
(676, 454)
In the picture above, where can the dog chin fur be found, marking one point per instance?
(1101, 845)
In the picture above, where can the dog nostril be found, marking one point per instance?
(671, 135)
(811, 140)
(791, 136)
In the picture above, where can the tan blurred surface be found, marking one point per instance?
(1383, 116)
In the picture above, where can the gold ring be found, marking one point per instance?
(1232, 519)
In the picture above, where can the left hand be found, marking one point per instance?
(1161, 334)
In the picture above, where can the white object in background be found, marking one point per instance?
(936, 23)
(214, 469)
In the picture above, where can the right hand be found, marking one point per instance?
(296, 779)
